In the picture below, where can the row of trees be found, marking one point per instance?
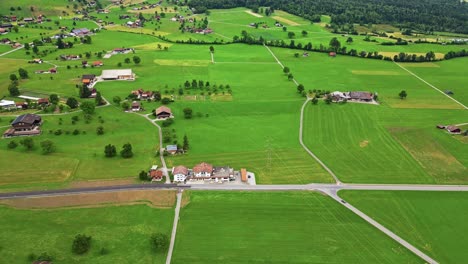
(111, 151)
(47, 145)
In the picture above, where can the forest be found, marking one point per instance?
(424, 15)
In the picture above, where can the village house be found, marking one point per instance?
(3, 31)
(43, 102)
(202, 170)
(155, 174)
(21, 105)
(121, 74)
(88, 79)
(180, 173)
(81, 32)
(28, 19)
(136, 106)
(38, 61)
(163, 112)
(24, 125)
(171, 149)
(122, 50)
(69, 57)
(16, 45)
(142, 95)
(223, 173)
(453, 129)
(361, 96)
(98, 64)
(5, 41)
(7, 104)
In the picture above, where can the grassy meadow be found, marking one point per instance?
(124, 231)
(278, 227)
(434, 222)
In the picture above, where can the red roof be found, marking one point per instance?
(180, 170)
(203, 167)
(163, 109)
(43, 101)
(97, 63)
(156, 174)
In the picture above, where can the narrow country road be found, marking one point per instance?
(8, 52)
(161, 149)
(301, 128)
(174, 227)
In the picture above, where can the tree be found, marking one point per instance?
(13, 77)
(35, 49)
(143, 176)
(12, 144)
(186, 145)
(402, 94)
(314, 100)
(100, 130)
(286, 70)
(110, 151)
(47, 146)
(211, 49)
(304, 33)
(54, 99)
(300, 88)
(328, 99)
(290, 76)
(335, 44)
(23, 73)
(28, 143)
(136, 60)
(88, 107)
(13, 88)
(125, 105)
(126, 151)
(291, 34)
(127, 60)
(159, 242)
(98, 99)
(187, 113)
(84, 91)
(81, 244)
(72, 102)
(165, 101)
(116, 100)
(349, 40)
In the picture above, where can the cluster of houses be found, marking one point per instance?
(93, 64)
(134, 24)
(26, 20)
(121, 51)
(357, 96)
(69, 57)
(141, 94)
(200, 172)
(7, 41)
(12, 105)
(51, 70)
(24, 125)
(452, 129)
(149, 6)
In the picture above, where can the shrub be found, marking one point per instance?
(12, 144)
(81, 244)
(159, 242)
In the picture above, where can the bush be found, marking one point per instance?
(167, 122)
(103, 251)
(159, 242)
(81, 244)
(12, 144)
(143, 176)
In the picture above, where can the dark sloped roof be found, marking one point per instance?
(27, 118)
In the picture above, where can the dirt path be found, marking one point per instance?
(253, 14)
(430, 85)
(174, 228)
(8, 52)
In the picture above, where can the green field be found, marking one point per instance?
(278, 227)
(434, 222)
(123, 230)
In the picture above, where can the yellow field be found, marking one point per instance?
(391, 54)
(193, 63)
(285, 21)
(152, 10)
(421, 65)
(152, 46)
(376, 72)
(253, 14)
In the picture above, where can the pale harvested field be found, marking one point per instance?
(253, 14)
(391, 54)
(420, 65)
(285, 21)
(152, 46)
(358, 72)
(154, 198)
(146, 31)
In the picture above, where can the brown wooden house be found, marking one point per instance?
(163, 112)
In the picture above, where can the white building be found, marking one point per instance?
(7, 104)
(180, 173)
(123, 74)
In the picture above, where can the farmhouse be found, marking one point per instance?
(24, 125)
(453, 129)
(136, 106)
(88, 79)
(155, 174)
(124, 74)
(80, 32)
(69, 57)
(163, 112)
(172, 149)
(28, 19)
(223, 173)
(3, 31)
(361, 96)
(180, 173)
(203, 170)
(21, 105)
(121, 50)
(7, 104)
(5, 41)
(98, 63)
(43, 101)
(332, 54)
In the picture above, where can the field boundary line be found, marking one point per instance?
(383, 229)
(301, 121)
(212, 58)
(174, 228)
(430, 85)
(301, 125)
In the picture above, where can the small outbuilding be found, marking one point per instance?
(172, 149)
(453, 129)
